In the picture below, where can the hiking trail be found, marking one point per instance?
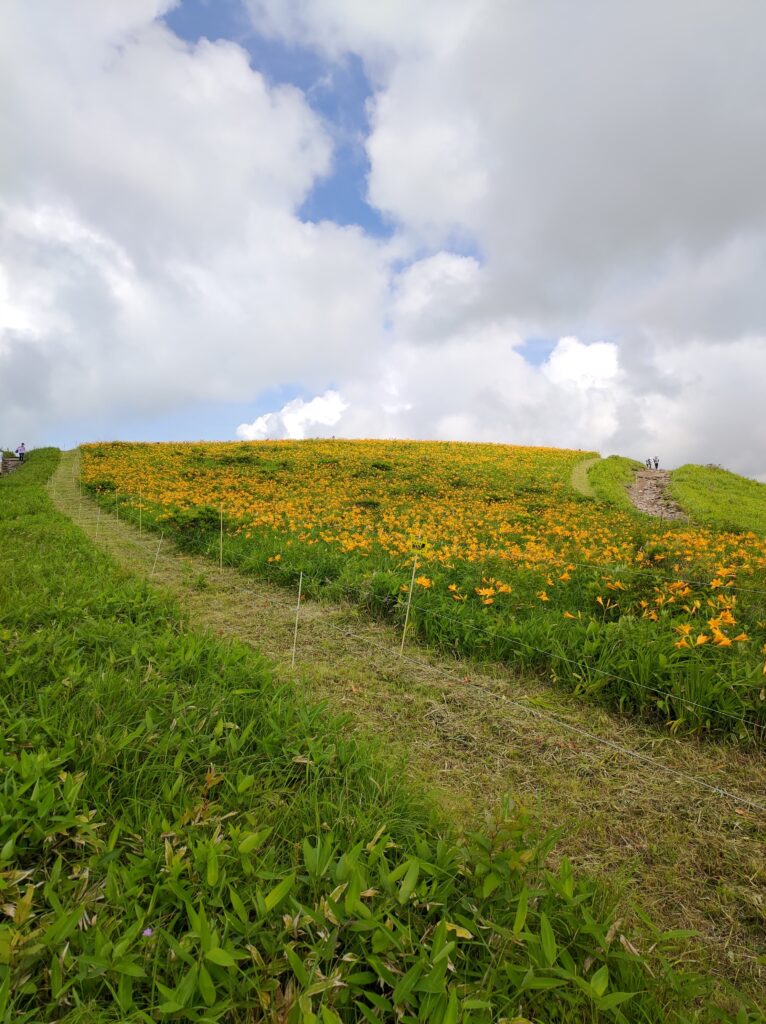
(647, 492)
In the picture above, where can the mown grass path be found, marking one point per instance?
(579, 478)
(690, 857)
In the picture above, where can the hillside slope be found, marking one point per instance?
(719, 498)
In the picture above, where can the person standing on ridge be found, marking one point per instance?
(21, 451)
(656, 462)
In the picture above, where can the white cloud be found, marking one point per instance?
(576, 366)
(607, 162)
(601, 163)
(433, 296)
(149, 239)
(296, 419)
(398, 396)
(381, 32)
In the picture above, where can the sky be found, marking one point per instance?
(492, 220)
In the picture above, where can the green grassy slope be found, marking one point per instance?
(722, 499)
(611, 477)
(528, 573)
(182, 838)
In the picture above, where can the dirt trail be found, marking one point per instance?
(647, 492)
(690, 857)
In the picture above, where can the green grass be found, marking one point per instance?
(183, 838)
(611, 477)
(610, 632)
(580, 479)
(719, 498)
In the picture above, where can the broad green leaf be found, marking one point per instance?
(253, 840)
(279, 892)
(490, 883)
(521, 911)
(238, 906)
(169, 1007)
(298, 967)
(212, 865)
(219, 956)
(600, 981)
(206, 985)
(613, 999)
(410, 881)
(407, 983)
(450, 1014)
(548, 941)
(130, 968)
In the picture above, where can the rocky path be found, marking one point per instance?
(647, 493)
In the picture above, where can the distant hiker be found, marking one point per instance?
(21, 451)
(648, 463)
(656, 462)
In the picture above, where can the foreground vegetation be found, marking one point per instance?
(512, 564)
(181, 838)
(726, 501)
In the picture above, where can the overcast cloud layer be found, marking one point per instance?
(590, 174)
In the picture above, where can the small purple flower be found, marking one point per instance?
(147, 933)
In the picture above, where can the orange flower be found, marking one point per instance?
(702, 638)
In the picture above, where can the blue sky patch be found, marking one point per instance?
(537, 350)
(337, 91)
(196, 420)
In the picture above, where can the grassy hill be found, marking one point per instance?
(504, 559)
(721, 499)
(611, 477)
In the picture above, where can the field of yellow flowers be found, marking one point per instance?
(512, 564)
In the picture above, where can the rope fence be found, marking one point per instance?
(281, 572)
(90, 517)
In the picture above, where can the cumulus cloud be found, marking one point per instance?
(517, 403)
(605, 160)
(296, 419)
(590, 175)
(432, 297)
(149, 241)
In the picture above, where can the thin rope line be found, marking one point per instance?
(554, 655)
(283, 570)
(595, 668)
(546, 716)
